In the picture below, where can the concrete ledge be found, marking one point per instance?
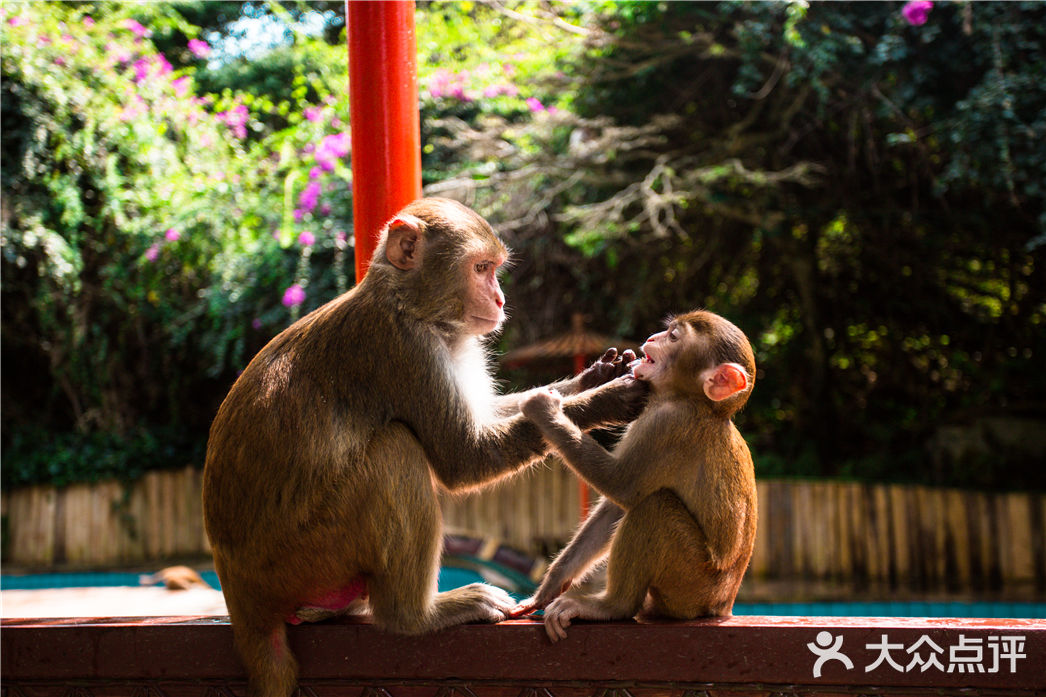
(753, 655)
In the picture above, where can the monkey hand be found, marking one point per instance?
(550, 590)
(491, 604)
(622, 399)
(558, 616)
(543, 406)
(609, 366)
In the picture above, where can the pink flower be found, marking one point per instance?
(535, 104)
(306, 239)
(293, 296)
(312, 113)
(236, 118)
(181, 87)
(917, 11)
(172, 235)
(16, 21)
(199, 48)
(325, 209)
(153, 253)
(88, 21)
(136, 28)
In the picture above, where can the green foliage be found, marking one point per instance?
(36, 455)
(150, 229)
(863, 196)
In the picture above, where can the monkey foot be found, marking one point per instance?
(330, 605)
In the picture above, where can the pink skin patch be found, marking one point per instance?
(333, 601)
(277, 644)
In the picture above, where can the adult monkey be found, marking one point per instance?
(324, 460)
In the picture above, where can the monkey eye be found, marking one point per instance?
(483, 266)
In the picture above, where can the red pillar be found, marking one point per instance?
(386, 130)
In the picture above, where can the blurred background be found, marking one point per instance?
(858, 186)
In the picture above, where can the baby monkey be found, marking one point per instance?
(678, 516)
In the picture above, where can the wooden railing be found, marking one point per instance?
(752, 656)
(904, 536)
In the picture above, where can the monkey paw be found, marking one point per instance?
(558, 616)
(491, 604)
(542, 405)
(609, 366)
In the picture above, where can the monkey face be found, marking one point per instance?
(660, 352)
(484, 301)
(700, 355)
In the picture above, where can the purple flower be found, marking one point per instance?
(311, 195)
(153, 253)
(141, 69)
(331, 149)
(256, 323)
(293, 296)
(917, 11)
(172, 235)
(306, 239)
(315, 173)
(199, 48)
(325, 209)
(298, 215)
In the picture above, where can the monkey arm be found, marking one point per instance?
(582, 453)
(509, 404)
(607, 367)
(464, 453)
(589, 545)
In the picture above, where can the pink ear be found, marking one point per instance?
(402, 248)
(724, 380)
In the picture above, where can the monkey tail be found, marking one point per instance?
(261, 640)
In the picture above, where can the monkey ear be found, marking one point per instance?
(403, 246)
(725, 380)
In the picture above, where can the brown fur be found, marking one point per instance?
(325, 459)
(679, 514)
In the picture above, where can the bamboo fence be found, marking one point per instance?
(913, 536)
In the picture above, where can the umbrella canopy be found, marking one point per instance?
(577, 343)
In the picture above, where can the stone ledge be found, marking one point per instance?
(757, 655)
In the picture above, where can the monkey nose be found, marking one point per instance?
(499, 300)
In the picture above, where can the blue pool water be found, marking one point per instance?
(453, 577)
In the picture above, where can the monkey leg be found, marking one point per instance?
(683, 583)
(261, 641)
(658, 549)
(402, 587)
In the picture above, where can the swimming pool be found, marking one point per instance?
(453, 577)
